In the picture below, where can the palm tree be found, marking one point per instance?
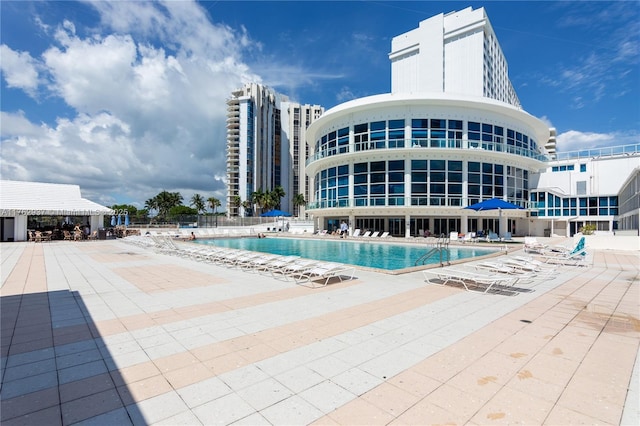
(246, 205)
(237, 202)
(258, 198)
(166, 200)
(298, 200)
(151, 204)
(198, 203)
(278, 194)
(214, 203)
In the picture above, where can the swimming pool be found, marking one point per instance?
(391, 257)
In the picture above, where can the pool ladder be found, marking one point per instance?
(440, 248)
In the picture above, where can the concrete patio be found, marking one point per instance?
(109, 333)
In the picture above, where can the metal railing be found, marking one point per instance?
(426, 144)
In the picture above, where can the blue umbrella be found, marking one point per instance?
(493, 204)
(126, 220)
(119, 220)
(275, 213)
(113, 221)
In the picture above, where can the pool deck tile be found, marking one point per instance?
(108, 332)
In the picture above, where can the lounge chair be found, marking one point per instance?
(531, 245)
(492, 237)
(294, 268)
(573, 258)
(385, 234)
(507, 236)
(356, 233)
(577, 247)
(471, 281)
(520, 275)
(453, 236)
(366, 234)
(325, 271)
(469, 237)
(374, 234)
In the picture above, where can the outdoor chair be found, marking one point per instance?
(324, 271)
(471, 281)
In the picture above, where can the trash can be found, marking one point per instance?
(102, 234)
(547, 233)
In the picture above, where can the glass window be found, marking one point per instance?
(438, 123)
(361, 128)
(396, 124)
(437, 164)
(378, 125)
(360, 168)
(419, 123)
(360, 178)
(455, 124)
(418, 164)
(378, 166)
(396, 177)
(396, 165)
(474, 166)
(474, 126)
(583, 168)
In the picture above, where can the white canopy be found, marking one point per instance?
(18, 198)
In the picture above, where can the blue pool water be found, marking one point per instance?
(361, 253)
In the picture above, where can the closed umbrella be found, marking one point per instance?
(119, 220)
(113, 221)
(126, 220)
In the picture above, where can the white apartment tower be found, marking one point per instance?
(265, 145)
(455, 53)
(295, 118)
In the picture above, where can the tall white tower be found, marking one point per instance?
(456, 53)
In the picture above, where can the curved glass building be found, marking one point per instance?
(450, 134)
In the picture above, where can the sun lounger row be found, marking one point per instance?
(295, 268)
(369, 234)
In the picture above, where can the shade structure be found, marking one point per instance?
(113, 221)
(493, 204)
(126, 220)
(275, 213)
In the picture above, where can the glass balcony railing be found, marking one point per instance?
(416, 201)
(386, 144)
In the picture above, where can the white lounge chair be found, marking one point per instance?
(385, 234)
(356, 233)
(573, 258)
(374, 234)
(324, 271)
(471, 281)
(532, 245)
(453, 236)
(366, 234)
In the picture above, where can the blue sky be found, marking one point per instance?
(127, 99)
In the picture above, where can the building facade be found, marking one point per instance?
(265, 146)
(452, 133)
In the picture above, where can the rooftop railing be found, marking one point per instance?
(610, 151)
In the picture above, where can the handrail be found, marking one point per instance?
(441, 248)
(414, 144)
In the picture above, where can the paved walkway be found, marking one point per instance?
(109, 333)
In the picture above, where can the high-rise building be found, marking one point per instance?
(450, 134)
(265, 146)
(456, 53)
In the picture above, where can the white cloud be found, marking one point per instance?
(19, 70)
(574, 140)
(146, 118)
